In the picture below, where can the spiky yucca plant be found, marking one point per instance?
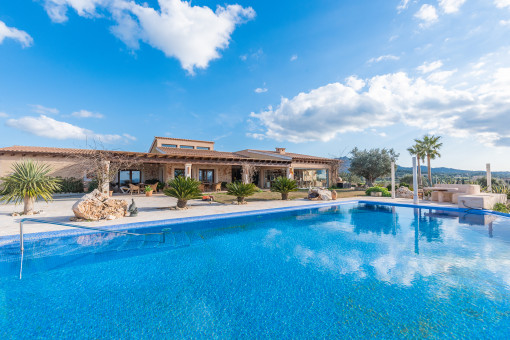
(183, 189)
(28, 182)
(241, 190)
(284, 185)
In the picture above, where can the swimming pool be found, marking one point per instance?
(350, 270)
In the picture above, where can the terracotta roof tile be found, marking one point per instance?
(199, 153)
(293, 155)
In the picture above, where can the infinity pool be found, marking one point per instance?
(352, 270)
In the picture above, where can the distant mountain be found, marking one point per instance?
(451, 172)
(402, 170)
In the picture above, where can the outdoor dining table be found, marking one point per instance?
(440, 192)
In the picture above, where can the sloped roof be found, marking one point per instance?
(289, 155)
(199, 153)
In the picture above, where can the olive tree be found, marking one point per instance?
(372, 164)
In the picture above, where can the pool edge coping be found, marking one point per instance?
(14, 239)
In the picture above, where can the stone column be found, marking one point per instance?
(105, 177)
(393, 180)
(415, 181)
(290, 172)
(187, 170)
(489, 178)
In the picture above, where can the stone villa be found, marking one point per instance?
(168, 158)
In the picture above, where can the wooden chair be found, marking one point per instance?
(134, 188)
(154, 187)
(216, 187)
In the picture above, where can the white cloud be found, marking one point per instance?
(294, 57)
(44, 110)
(429, 67)
(383, 58)
(44, 126)
(354, 82)
(260, 90)
(13, 33)
(192, 34)
(86, 114)
(440, 77)
(502, 3)
(504, 22)
(402, 5)
(3, 115)
(477, 110)
(427, 14)
(451, 6)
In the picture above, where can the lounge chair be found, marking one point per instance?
(134, 188)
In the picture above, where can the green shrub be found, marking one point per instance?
(241, 190)
(184, 189)
(70, 184)
(500, 207)
(385, 192)
(284, 185)
(93, 185)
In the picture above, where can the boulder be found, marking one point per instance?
(404, 192)
(319, 194)
(98, 206)
(334, 195)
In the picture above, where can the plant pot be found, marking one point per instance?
(111, 193)
(376, 194)
(148, 193)
(285, 196)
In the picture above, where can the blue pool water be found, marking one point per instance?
(353, 270)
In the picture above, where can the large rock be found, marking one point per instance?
(404, 192)
(318, 194)
(97, 206)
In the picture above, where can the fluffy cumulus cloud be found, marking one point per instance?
(192, 34)
(13, 33)
(3, 115)
(427, 14)
(437, 104)
(44, 126)
(451, 6)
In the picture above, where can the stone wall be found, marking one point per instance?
(62, 166)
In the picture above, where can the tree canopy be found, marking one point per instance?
(372, 164)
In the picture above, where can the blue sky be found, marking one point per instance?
(318, 77)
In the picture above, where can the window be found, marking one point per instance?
(311, 177)
(129, 176)
(203, 148)
(186, 147)
(178, 173)
(169, 145)
(206, 175)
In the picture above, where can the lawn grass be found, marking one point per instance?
(268, 196)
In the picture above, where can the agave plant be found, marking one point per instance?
(184, 189)
(241, 190)
(284, 185)
(28, 182)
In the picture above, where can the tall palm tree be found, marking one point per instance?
(28, 182)
(417, 150)
(430, 146)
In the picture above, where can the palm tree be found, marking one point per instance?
(417, 150)
(184, 189)
(430, 147)
(28, 182)
(284, 185)
(241, 190)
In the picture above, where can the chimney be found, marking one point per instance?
(281, 151)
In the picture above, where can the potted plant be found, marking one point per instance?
(148, 191)
(427, 194)
(284, 186)
(184, 189)
(241, 190)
